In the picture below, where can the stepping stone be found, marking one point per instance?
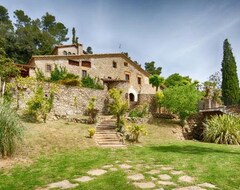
(136, 177)
(125, 166)
(208, 185)
(174, 172)
(107, 166)
(65, 184)
(186, 178)
(165, 177)
(117, 161)
(144, 185)
(166, 183)
(148, 167)
(152, 172)
(158, 165)
(84, 179)
(166, 168)
(189, 188)
(159, 189)
(153, 179)
(113, 169)
(128, 161)
(96, 172)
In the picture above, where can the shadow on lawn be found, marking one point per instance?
(191, 149)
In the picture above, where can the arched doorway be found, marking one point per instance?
(131, 97)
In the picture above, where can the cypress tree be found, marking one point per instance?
(73, 36)
(230, 83)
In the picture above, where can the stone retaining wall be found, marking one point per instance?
(69, 100)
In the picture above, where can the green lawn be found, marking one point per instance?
(216, 164)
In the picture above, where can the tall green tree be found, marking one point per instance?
(6, 27)
(156, 81)
(151, 69)
(182, 100)
(230, 83)
(73, 35)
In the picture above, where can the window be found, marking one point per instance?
(48, 68)
(139, 80)
(64, 53)
(127, 77)
(125, 64)
(109, 77)
(84, 73)
(69, 53)
(86, 64)
(114, 64)
(72, 62)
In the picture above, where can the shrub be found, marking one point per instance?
(39, 106)
(39, 75)
(139, 111)
(89, 82)
(91, 111)
(70, 82)
(60, 74)
(91, 132)
(118, 106)
(135, 130)
(10, 130)
(224, 129)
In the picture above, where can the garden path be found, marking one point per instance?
(142, 175)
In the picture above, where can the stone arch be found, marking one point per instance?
(133, 95)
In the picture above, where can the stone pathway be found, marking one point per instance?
(141, 175)
(106, 135)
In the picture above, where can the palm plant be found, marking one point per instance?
(223, 129)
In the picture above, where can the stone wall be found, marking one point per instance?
(69, 100)
(148, 99)
(74, 101)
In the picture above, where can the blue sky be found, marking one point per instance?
(183, 36)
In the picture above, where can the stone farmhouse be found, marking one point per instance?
(114, 69)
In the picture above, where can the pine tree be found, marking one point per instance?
(230, 83)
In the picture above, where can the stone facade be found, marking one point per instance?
(115, 67)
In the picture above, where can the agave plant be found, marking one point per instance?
(10, 130)
(223, 129)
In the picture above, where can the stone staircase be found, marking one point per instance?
(106, 135)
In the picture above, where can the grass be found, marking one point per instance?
(217, 164)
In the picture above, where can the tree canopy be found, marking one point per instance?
(177, 80)
(151, 69)
(30, 37)
(156, 81)
(182, 100)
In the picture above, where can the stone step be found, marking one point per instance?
(109, 143)
(106, 135)
(106, 138)
(114, 146)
